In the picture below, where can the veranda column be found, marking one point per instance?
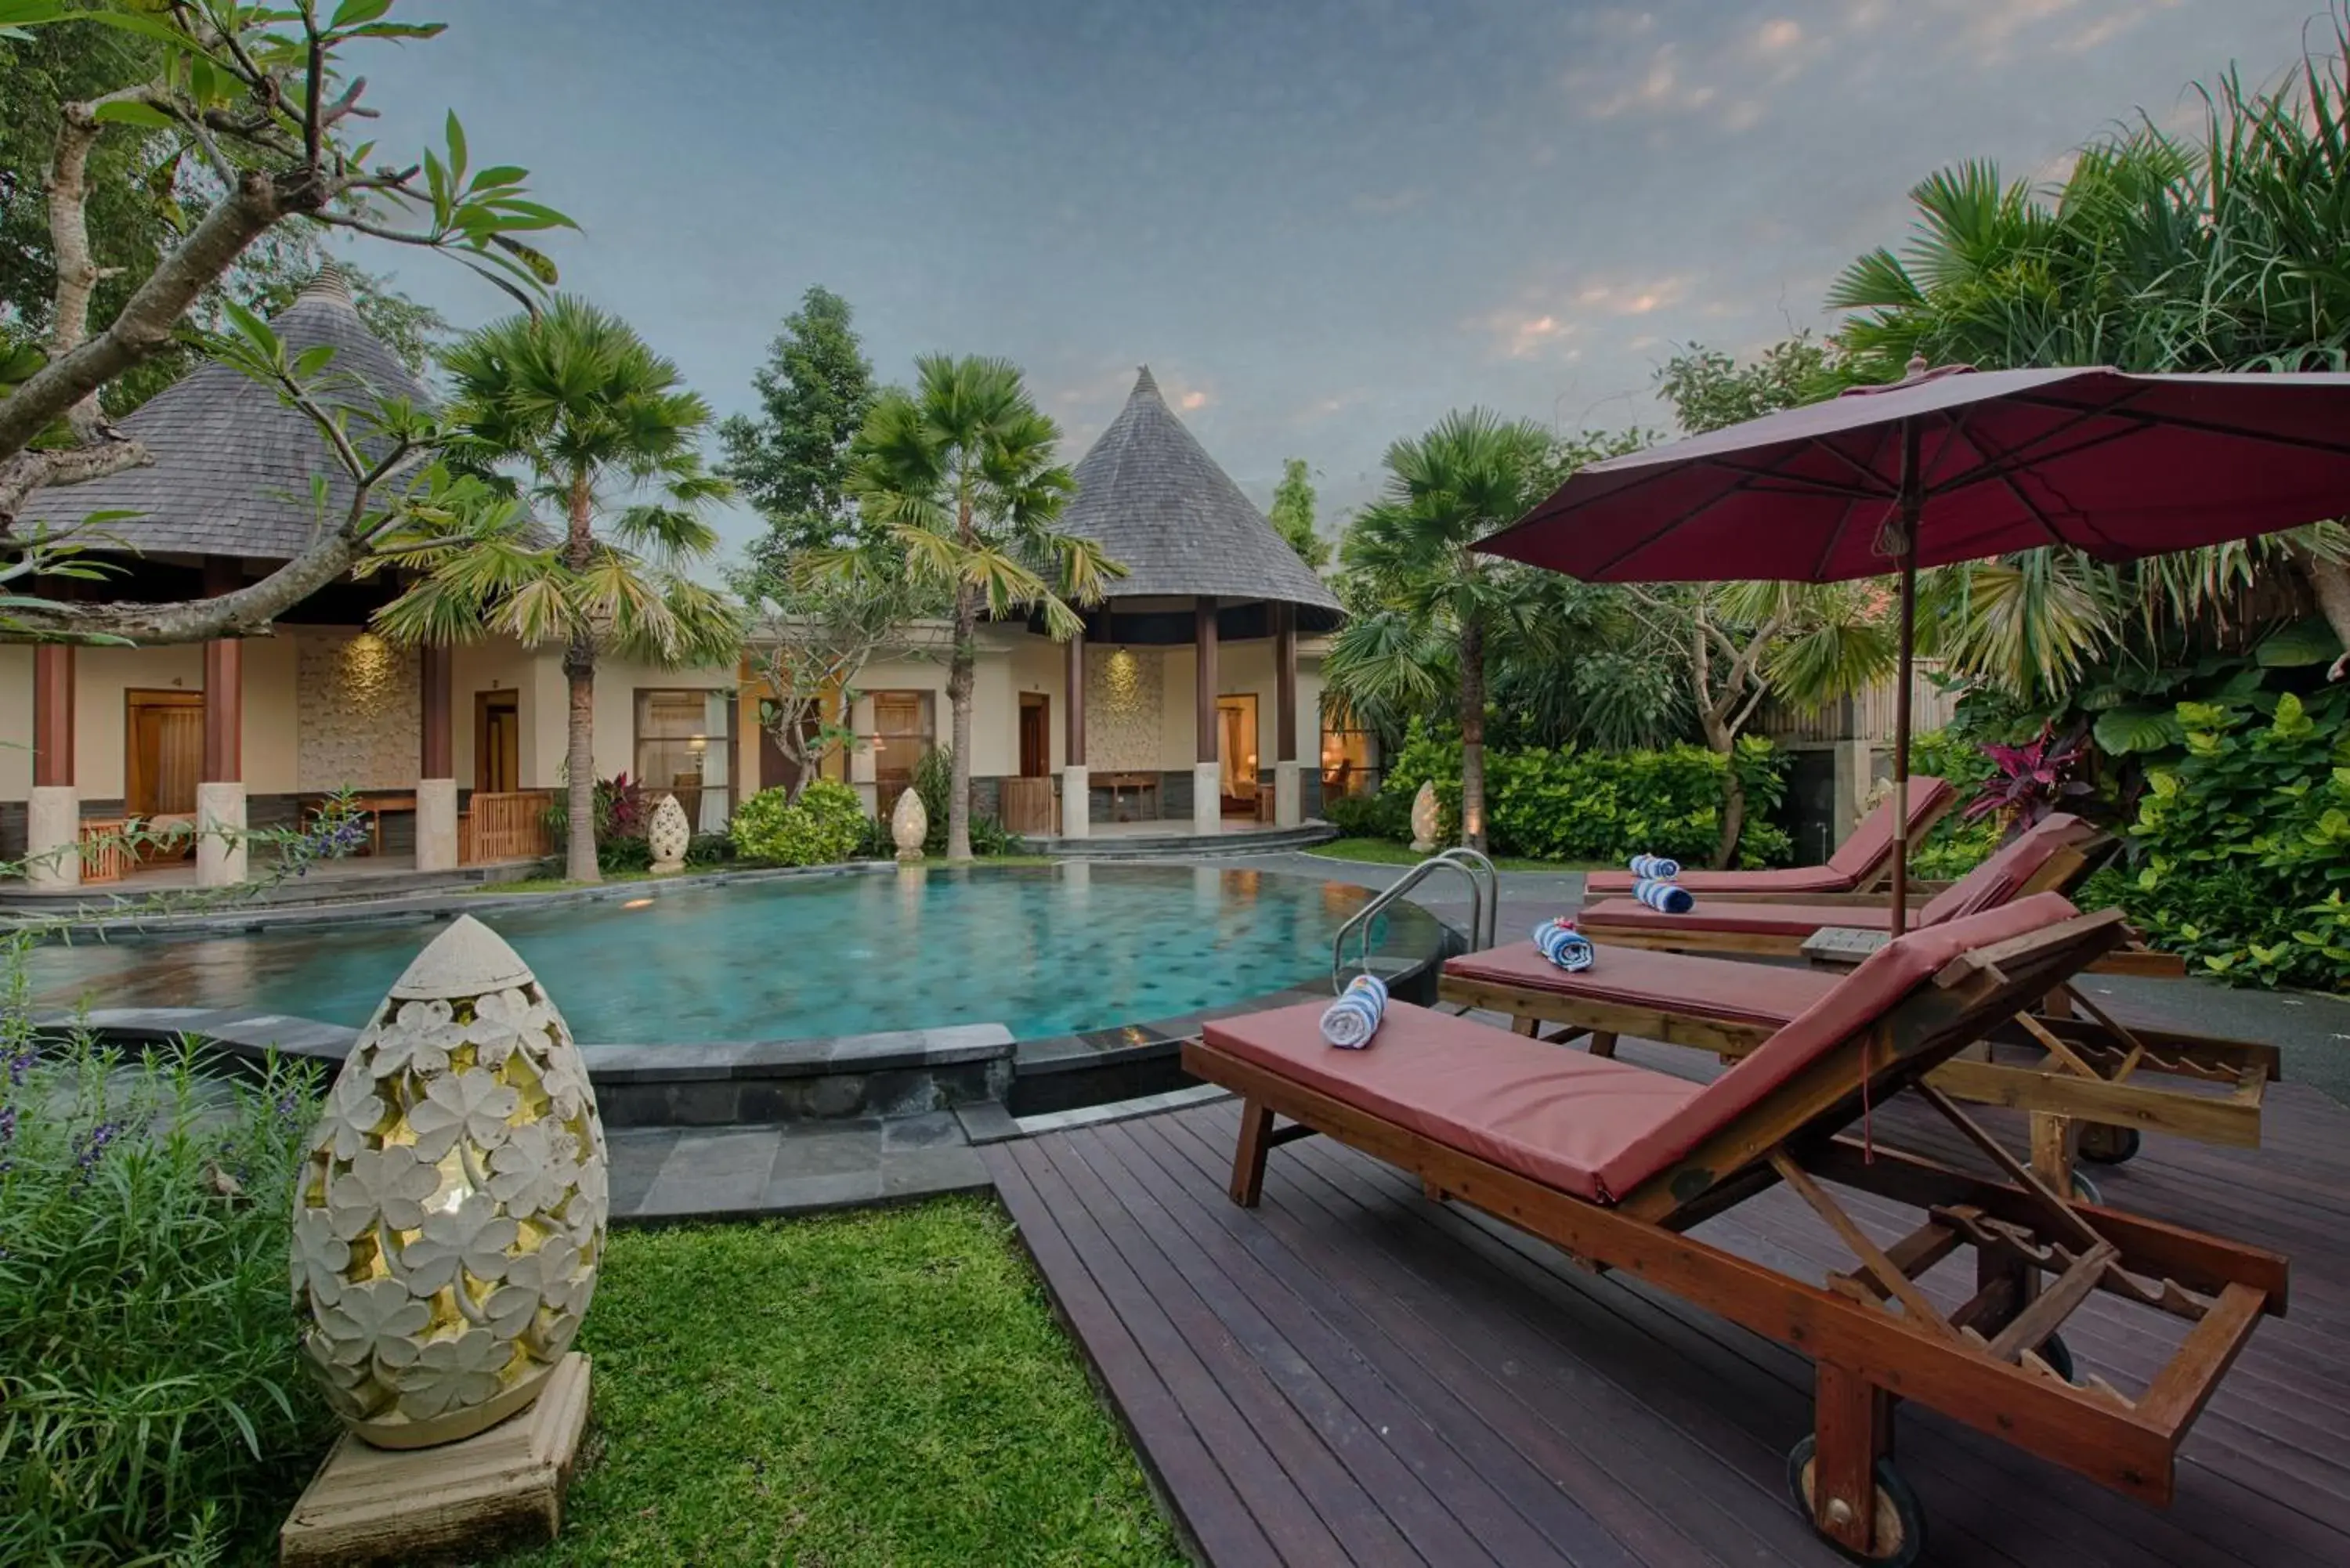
(220, 787)
(53, 814)
(1288, 799)
(1207, 776)
(1076, 784)
(436, 763)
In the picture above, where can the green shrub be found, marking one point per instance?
(934, 784)
(710, 848)
(150, 1397)
(1375, 816)
(2241, 848)
(823, 825)
(1570, 804)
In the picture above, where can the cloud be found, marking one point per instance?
(1192, 399)
(1661, 86)
(1776, 37)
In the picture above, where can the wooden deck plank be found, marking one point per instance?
(1554, 1416)
(1206, 1508)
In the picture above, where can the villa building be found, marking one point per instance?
(456, 752)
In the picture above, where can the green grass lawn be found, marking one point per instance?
(1387, 852)
(885, 1386)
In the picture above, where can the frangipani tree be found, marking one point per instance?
(961, 474)
(572, 410)
(262, 110)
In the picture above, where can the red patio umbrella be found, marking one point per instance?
(1954, 464)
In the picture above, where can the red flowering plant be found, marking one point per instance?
(2031, 781)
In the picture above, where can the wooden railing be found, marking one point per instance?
(1028, 805)
(504, 826)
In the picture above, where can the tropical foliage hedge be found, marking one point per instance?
(151, 1406)
(1574, 804)
(823, 825)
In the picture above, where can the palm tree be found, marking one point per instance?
(601, 431)
(961, 473)
(1428, 599)
(2217, 252)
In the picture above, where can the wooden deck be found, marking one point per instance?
(1353, 1373)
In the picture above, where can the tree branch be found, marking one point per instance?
(148, 320)
(29, 471)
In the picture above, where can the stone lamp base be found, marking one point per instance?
(368, 1504)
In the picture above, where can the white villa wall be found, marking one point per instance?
(498, 664)
(272, 738)
(1041, 665)
(101, 675)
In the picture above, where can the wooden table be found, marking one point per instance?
(1140, 784)
(371, 807)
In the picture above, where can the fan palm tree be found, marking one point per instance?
(961, 473)
(2158, 253)
(572, 410)
(1431, 605)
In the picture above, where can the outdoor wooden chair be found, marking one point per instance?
(1614, 1163)
(1861, 864)
(2092, 1076)
(2058, 852)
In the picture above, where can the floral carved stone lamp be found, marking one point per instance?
(668, 835)
(449, 1223)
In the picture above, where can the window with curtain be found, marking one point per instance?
(681, 749)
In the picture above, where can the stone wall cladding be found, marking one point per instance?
(1125, 696)
(358, 712)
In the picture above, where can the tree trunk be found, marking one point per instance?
(1473, 734)
(1712, 716)
(579, 665)
(2330, 582)
(961, 671)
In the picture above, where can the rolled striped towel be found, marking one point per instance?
(1351, 1020)
(1560, 943)
(1669, 898)
(1663, 868)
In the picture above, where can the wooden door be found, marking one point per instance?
(1236, 752)
(497, 742)
(1035, 735)
(162, 751)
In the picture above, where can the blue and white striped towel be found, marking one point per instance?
(1351, 1020)
(1560, 943)
(1670, 898)
(1662, 868)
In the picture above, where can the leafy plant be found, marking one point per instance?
(934, 784)
(147, 1373)
(823, 825)
(2029, 782)
(1566, 802)
(2243, 847)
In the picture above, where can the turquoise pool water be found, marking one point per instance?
(1043, 950)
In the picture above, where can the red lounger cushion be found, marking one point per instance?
(1552, 1114)
(1862, 997)
(1989, 885)
(1586, 1124)
(1862, 853)
(1639, 977)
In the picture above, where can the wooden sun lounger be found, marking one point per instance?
(2057, 854)
(1861, 864)
(1613, 1164)
(2091, 1080)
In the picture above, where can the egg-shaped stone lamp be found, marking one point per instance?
(908, 826)
(1425, 820)
(449, 1219)
(668, 834)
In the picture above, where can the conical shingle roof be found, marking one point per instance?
(1148, 491)
(232, 465)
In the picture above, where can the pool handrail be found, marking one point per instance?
(1484, 907)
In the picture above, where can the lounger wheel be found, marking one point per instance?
(2086, 1190)
(1900, 1533)
(2109, 1146)
(2058, 1356)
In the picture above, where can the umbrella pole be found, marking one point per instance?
(1912, 503)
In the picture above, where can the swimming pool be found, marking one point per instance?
(1043, 950)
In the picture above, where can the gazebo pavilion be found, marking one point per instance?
(1204, 568)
